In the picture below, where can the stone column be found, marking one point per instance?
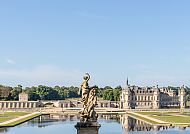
(13, 105)
(69, 104)
(109, 104)
(63, 105)
(17, 105)
(34, 105)
(4, 105)
(26, 104)
(99, 104)
(30, 105)
(8, 105)
(22, 105)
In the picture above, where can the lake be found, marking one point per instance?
(110, 124)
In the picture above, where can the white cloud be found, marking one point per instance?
(11, 61)
(45, 75)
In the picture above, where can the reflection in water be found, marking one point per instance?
(131, 124)
(47, 120)
(3, 130)
(122, 123)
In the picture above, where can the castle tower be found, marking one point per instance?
(156, 98)
(127, 82)
(125, 97)
(182, 97)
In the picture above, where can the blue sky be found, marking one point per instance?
(56, 42)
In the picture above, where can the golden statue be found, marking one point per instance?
(89, 100)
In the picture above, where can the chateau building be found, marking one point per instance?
(134, 97)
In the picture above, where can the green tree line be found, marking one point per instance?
(39, 92)
(42, 92)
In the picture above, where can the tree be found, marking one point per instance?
(107, 87)
(116, 94)
(32, 93)
(15, 92)
(119, 87)
(108, 94)
(5, 92)
(73, 92)
(60, 91)
(41, 91)
(111, 94)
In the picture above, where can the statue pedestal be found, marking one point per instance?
(87, 127)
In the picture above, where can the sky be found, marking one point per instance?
(45, 42)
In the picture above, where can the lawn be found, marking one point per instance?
(156, 113)
(22, 120)
(142, 118)
(10, 115)
(171, 117)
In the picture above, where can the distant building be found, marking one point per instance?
(134, 97)
(23, 96)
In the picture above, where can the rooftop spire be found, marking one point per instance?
(127, 82)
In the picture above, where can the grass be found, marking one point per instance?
(11, 115)
(170, 117)
(14, 113)
(21, 121)
(156, 113)
(173, 119)
(148, 113)
(5, 119)
(142, 118)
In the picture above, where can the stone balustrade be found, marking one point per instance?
(18, 104)
(59, 103)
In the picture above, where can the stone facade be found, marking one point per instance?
(134, 97)
(23, 96)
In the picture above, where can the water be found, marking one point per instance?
(110, 124)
